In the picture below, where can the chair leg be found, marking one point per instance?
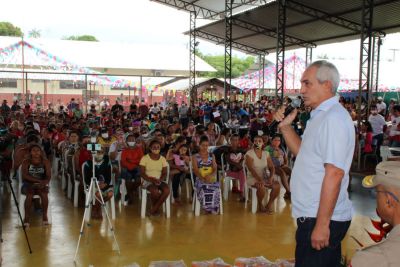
(122, 189)
(112, 203)
(197, 207)
(253, 200)
(76, 193)
(168, 207)
(171, 199)
(49, 214)
(63, 180)
(21, 204)
(221, 208)
(246, 194)
(144, 202)
(89, 207)
(226, 188)
(187, 189)
(69, 189)
(194, 200)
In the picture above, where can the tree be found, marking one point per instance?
(34, 33)
(239, 65)
(8, 29)
(89, 38)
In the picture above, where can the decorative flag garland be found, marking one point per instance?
(58, 64)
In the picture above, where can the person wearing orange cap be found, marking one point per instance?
(386, 183)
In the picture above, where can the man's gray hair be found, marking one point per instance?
(326, 71)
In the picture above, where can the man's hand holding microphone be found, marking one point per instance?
(284, 116)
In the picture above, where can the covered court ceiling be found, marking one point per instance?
(212, 9)
(309, 22)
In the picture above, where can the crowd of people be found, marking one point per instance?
(161, 146)
(138, 143)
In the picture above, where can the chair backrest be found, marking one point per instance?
(385, 153)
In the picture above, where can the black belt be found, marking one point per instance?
(305, 219)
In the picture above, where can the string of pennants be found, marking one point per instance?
(8, 56)
(294, 67)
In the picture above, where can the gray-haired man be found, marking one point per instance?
(320, 176)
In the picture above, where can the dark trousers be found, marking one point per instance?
(329, 256)
(379, 141)
(176, 182)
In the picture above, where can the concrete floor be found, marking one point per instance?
(237, 233)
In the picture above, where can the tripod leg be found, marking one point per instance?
(108, 217)
(88, 202)
(19, 214)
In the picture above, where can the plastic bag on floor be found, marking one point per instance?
(218, 262)
(262, 262)
(179, 263)
(253, 262)
(285, 263)
(132, 265)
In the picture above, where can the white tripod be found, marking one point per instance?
(90, 200)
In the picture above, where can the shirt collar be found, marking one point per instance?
(395, 232)
(324, 106)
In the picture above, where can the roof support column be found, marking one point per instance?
(228, 48)
(261, 76)
(365, 54)
(192, 59)
(377, 42)
(308, 55)
(280, 49)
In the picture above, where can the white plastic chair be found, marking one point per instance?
(195, 202)
(22, 197)
(386, 153)
(166, 204)
(109, 204)
(60, 160)
(227, 179)
(247, 190)
(67, 175)
(122, 188)
(76, 184)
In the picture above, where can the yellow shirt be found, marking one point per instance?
(153, 167)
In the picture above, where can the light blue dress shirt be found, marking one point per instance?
(328, 138)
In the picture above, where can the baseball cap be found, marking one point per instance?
(387, 174)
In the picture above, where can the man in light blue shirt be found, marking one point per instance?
(320, 176)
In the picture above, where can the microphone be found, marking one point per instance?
(295, 104)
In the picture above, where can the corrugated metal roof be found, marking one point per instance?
(307, 20)
(212, 9)
(183, 84)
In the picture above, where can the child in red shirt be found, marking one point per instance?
(130, 159)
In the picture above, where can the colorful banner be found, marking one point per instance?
(56, 63)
